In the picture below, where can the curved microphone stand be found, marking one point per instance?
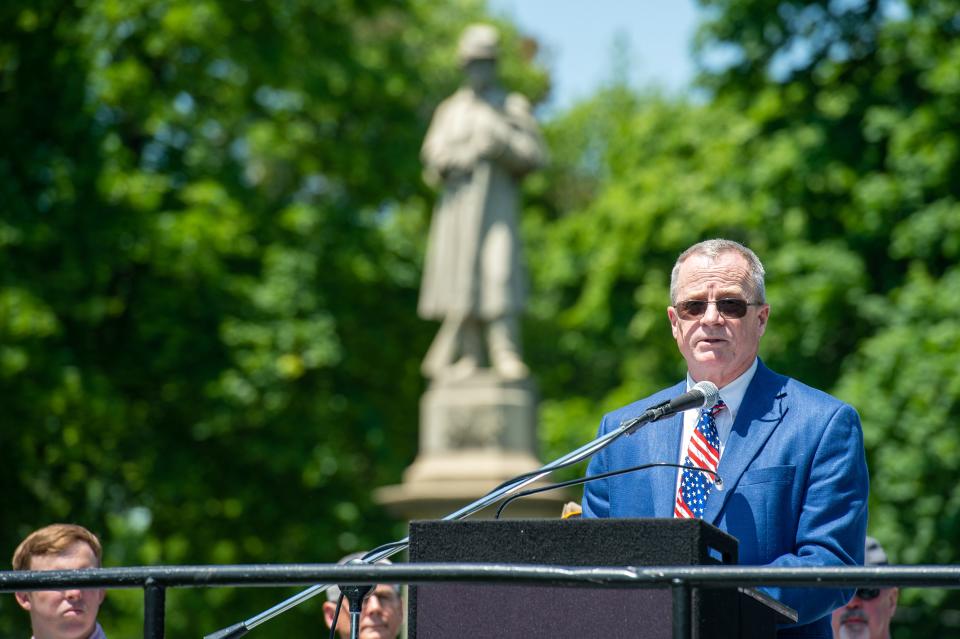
(702, 394)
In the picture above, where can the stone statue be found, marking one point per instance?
(477, 422)
(481, 142)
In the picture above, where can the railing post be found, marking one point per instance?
(154, 602)
(681, 609)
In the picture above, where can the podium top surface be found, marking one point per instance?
(573, 542)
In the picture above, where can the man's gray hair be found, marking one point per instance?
(333, 592)
(713, 249)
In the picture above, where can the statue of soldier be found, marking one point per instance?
(480, 144)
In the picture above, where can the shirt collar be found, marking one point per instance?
(732, 394)
(96, 634)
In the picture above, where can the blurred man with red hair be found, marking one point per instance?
(61, 614)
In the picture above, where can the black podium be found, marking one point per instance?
(468, 611)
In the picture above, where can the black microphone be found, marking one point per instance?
(703, 394)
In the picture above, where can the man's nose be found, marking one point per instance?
(372, 603)
(73, 594)
(712, 314)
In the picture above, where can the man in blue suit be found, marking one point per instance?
(791, 460)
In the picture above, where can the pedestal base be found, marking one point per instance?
(475, 434)
(436, 486)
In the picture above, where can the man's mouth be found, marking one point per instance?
(712, 341)
(853, 618)
(378, 626)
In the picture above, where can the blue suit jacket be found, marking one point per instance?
(794, 477)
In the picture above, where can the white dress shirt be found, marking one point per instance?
(732, 395)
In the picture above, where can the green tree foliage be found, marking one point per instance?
(209, 260)
(662, 175)
(210, 238)
(825, 137)
(878, 84)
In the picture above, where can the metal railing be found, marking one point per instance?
(156, 580)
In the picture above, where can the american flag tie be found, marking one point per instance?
(703, 451)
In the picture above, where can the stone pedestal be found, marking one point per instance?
(475, 434)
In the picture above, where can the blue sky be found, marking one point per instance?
(578, 38)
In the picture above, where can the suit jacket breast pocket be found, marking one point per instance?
(769, 475)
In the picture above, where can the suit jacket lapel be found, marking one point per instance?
(668, 438)
(659, 442)
(760, 413)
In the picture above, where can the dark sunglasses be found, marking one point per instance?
(868, 593)
(730, 308)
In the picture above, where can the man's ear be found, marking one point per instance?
(329, 608)
(23, 600)
(674, 321)
(763, 316)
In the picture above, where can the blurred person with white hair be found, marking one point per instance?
(868, 614)
(381, 615)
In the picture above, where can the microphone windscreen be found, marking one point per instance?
(710, 393)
